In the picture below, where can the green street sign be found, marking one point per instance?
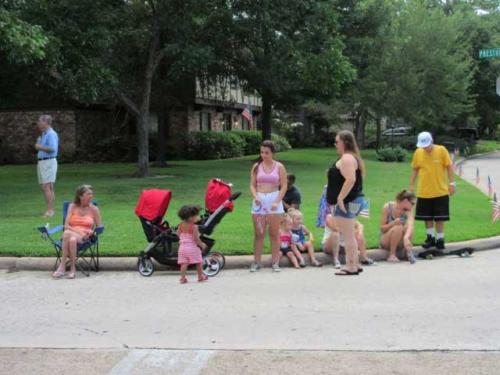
(489, 53)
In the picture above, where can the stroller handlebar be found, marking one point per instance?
(234, 196)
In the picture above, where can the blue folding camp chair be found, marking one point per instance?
(87, 253)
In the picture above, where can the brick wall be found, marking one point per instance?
(18, 135)
(81, 133)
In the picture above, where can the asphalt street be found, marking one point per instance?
(391, 315)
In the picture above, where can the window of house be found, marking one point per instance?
(228, 122)
(205, 121)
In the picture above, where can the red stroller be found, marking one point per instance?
(163, 240)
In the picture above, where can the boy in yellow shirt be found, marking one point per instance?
(436, 182)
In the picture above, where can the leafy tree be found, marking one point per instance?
(20, 42)
(288, 51)
(480, 26)
(112, 51)
(366, 25)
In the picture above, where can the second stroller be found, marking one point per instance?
(163, 240)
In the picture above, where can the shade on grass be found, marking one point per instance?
(21, 201)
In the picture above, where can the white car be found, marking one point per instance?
(396, 132)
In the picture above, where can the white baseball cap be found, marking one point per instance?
(424, 139)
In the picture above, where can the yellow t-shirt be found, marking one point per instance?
(432, 175)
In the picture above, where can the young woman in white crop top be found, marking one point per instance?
(268, 184)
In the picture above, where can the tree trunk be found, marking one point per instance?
(266, 117)
(490, 124)
(163, 128)
(360, 129)
(143, 118)
(379, 132)
(142, 144)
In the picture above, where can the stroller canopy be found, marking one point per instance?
(153, 203)
(218, 192)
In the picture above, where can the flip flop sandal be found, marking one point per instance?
(202, 278)
(318, 264)
(360, 270)
(346, 273)
(71, 275)
(58, 275)
(368, 262)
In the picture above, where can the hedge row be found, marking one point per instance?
(221, 145)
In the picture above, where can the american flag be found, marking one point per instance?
(490, 187)
(365, 211)
(496, 210)
(478, 179)
(247, 113)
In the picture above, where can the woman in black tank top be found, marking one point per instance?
(345, 191)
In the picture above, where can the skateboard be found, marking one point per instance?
(464, 252)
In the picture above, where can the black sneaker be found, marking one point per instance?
(430, 241)
(440, 244)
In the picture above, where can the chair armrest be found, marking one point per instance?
(50, 231)
(56, 229)
(99, 230)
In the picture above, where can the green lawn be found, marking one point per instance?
(484, 146)
(21, 202)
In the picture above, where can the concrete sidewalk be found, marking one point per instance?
(232, 262)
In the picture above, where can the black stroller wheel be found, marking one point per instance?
(145, 266)
(211, 265)
(220, 257)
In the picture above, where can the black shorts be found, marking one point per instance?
(285, 250)
(433, 209)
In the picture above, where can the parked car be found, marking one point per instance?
(397, 132)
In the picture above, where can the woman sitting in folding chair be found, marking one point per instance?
(81, 220)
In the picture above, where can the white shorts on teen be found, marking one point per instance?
(267, 200)
(47, 171)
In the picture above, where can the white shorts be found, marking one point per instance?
(267, 200)
(47, 171)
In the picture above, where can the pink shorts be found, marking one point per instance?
(189, 256)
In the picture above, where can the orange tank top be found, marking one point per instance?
(85, 222)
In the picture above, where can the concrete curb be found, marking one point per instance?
(13, 264)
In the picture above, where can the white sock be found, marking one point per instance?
(440, 236)
(430, 231)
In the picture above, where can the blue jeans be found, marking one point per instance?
(353, 208)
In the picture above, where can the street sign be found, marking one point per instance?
(498, 86)
(489, 53)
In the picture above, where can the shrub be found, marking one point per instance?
(113, 148)
(389, 154)
(217, 145)
(407, 142)
(280, 142)
(213, 145)
(252, 139)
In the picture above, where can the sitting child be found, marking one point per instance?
(286, 246)
(331, 242)
(300, 231)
